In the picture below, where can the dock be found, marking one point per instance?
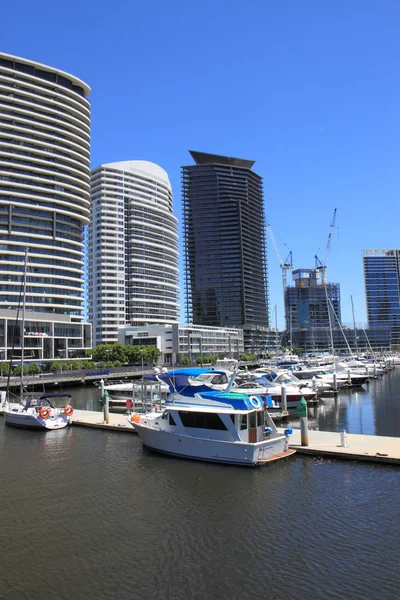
(370, 448)
(95, 419)
(322, 444)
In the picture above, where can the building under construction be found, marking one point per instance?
(311, 303)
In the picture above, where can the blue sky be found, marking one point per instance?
(308, 89)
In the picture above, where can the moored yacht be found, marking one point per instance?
(212, 425)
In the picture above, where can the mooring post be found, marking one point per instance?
(366, 371)
(301, 412)
(343, 438)
(348, 376)
(284, 398)
(106, 407)
(375, 369)
(334, 381)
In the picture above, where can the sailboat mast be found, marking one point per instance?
(354, 326)
(23, 325)
(330, 322)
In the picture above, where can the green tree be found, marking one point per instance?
(117, 363)
(185, 360)
(34, 369)
(5, 369)
(17, 370)
(87, 364)
(56, 366)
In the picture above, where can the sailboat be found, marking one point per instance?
(35, 412)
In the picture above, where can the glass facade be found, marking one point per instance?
(382, 289)
(224, 243)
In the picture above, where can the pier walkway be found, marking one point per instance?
(371, 448)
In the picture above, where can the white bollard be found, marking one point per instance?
(334, 381)
(348, 376)
(314, 383)
(284, 398)
(304, 431)
(343, 438)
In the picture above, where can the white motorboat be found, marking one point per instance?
(213, 426)
(39, 413)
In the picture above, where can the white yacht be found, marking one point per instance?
(211, 425)
(39, 413)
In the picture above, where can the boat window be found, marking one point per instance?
(253, 419)
(243, 422)
(165, 414)
(218, 379)
(260, 418)
(233, 418)
(171, 419)
(202, 420)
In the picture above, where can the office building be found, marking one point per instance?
(132, 249)
(311, 304)
(44, 204)
(178, 340)
(382, 290)
(224, 247)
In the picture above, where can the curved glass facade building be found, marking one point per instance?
(132, 249)
(44, 185)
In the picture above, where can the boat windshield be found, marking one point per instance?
(211, 378)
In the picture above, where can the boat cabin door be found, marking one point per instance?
(252, 424)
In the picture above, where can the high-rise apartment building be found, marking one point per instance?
(225, 247)
(382, 289)
(44, 203)
(132, 249)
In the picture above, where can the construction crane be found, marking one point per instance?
(284, 265)
(319, 266)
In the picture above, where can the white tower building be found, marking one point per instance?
(44, 200)
(132, 249)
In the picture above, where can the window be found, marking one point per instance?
(171, 419)
(202, 420)
(243, 422)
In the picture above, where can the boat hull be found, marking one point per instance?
(204, 449)
(15, 419)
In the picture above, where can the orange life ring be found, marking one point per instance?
(44, 412)
(135, 418)
(68, 410)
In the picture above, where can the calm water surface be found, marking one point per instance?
(88, 514)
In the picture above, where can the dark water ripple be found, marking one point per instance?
(88, 514)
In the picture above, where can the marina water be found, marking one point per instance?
(89, 514)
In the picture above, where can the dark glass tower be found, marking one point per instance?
(224, 246)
